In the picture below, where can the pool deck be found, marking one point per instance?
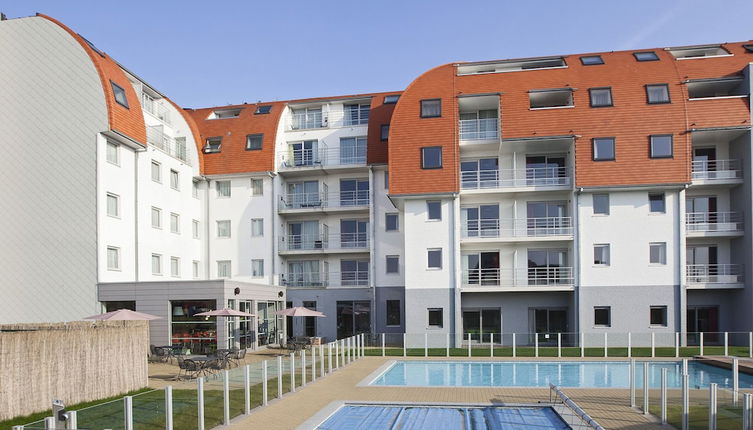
(610, 407)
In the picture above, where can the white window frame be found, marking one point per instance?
(229, 225)
(229, 268)
(116, 267)
(593, 204)
(255, 222)
(195, 189)
(156, 168)
(397, 221)
(219, 186)
(174, 227)
(158, 260)
(387, 264)
(662, 255)
(117, 205)
(254, 190)
(175, 267)
(608, 258)
(195, 269)
(195, 228)
(429, 250)
(158, 212)
(257, 273)
(112, 148)
(174, 179)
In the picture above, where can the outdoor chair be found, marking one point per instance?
(189, 368)
(159, 355)
(237, 356)
(213, 365)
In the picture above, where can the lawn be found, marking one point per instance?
(528, 351)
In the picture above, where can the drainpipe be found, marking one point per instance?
(576, 258)
(372, 246)
(136, 216)
(207, 230)
(274, 221)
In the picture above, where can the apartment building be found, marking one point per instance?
(594, 193)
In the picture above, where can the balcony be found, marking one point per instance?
(314, 119)
(295, 244)
(479, 129)
(517, 229)
(714, 224)
(714, 275)
(716, 172)
(325, 279)
(155, 107)
(510, 180)
(174, 147)
(531, 278)
(323, 158)
(344, 201)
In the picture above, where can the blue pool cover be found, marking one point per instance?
(354, 417)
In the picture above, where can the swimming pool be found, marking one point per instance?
(569, 374)
(409, 417)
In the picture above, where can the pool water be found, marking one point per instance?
(575, 374)
(371, 417)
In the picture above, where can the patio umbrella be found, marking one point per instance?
(300, 311)
(123, 315)
(225, 313)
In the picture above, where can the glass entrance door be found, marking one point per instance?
(703, 319)
(481, 268)
(481, 324)
(547, 322)
(353, 317)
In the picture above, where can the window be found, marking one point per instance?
(156, 264)
(356, 114)
(391, 99)
(434, 258)
(195, 228)
(174, 223)
(253, 142)
(646, 56)
(656, 203)
(113, 258)
(602, 316)
(174, 179)
(434, 210)
(195, 268)
(658, 316)
(392, 263)
(156, 217)
(120, 94)
(393, 312)
(601, 204)
(225, 113)
(391, 222)
(263, 110)
(257, 268)
(600, 97)
(660, 146)
(113, 205)
(257, 187)
(156, 172)
(591, 60)
(257, 227)
(223, 228)
(551, 98)
(431, 157)
(601, 254)
(175, 267)
(113, 153)
(223, 268)
(435, 317)
(384, 132)
(717, 87)
(213, 145)
(698, 51)
(387, 180)
(223, 189)
(657, 94)
(657, 253)
(195, 188)
(431, 108)
(603, 148)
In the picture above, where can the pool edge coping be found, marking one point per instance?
(371, 377)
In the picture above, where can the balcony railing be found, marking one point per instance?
(306, 120)
(325, 279)
(342, 200)
(156, 108)
(714, 273)
(520, 227)
(709, 222)
(329, 119)
(716, 170)
(515, 178)
(323, 156)
(174, 147)
(316, 242)
(526, 277)
(479, 129)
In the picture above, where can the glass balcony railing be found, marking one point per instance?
(515, 178)
(479, 129)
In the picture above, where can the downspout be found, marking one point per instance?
(372, 254)
(136, 215)
(274, 221)
(576, 257)
(207, 230)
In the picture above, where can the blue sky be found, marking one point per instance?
(222, 52)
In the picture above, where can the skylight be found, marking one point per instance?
(225, 113)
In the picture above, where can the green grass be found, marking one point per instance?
(548, 351)
(728, 418)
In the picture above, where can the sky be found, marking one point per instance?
(214, 53)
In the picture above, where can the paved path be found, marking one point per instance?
(609, 407)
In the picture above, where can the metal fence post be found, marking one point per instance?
(750, 344)
(726, 344)
(559, 344)
(747, 407)
(701, 343)
(313, 363)
(630, 344)
(279, 377)
(582, 344)
(426, 344)
(735, 381)
(383, 351)
(321, 360)
(363, 345)
(329, 357)
(264, 383)
(514, 354)
(292, 372)
(645, 388)
(684, 366)
(303, 368)
(535, 344)
(663, 415)
(653, 344)
(72, 422)
(469, 344)
(447, 345)
(491, 344)
(200, 402)
(49, 423)
(247, 389)
(225, 397)
(685, 402)
(405, 344)
(712, 406)
(606, 345)
(632, 383)
(128, 412)
(677, 345)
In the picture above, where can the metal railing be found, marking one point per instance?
(174, 147)
(325, 279)
(713, 222)
(515, 178)
(553, 276)
(156, 108)
(329, 119)
(582, 419)
(517, 227)
(479, 129)
(323, 156)
(306, 120)
(716, 170)
(714, 273)
(343, 199)
(314, 242)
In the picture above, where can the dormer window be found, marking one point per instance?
(646, 56)
(698, 51)
(551, 98)
(392, 99)
(748, 47)
(119, 95)
(225, 113)
(263, 110)
(722, 87)
(213, 145)
(511, 65)
(591, 60)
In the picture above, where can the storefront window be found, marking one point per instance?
(267, 322)
(246, 327)
(198, 334)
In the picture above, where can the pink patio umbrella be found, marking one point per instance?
(300, 311)
(123, 315)
(226, 313)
